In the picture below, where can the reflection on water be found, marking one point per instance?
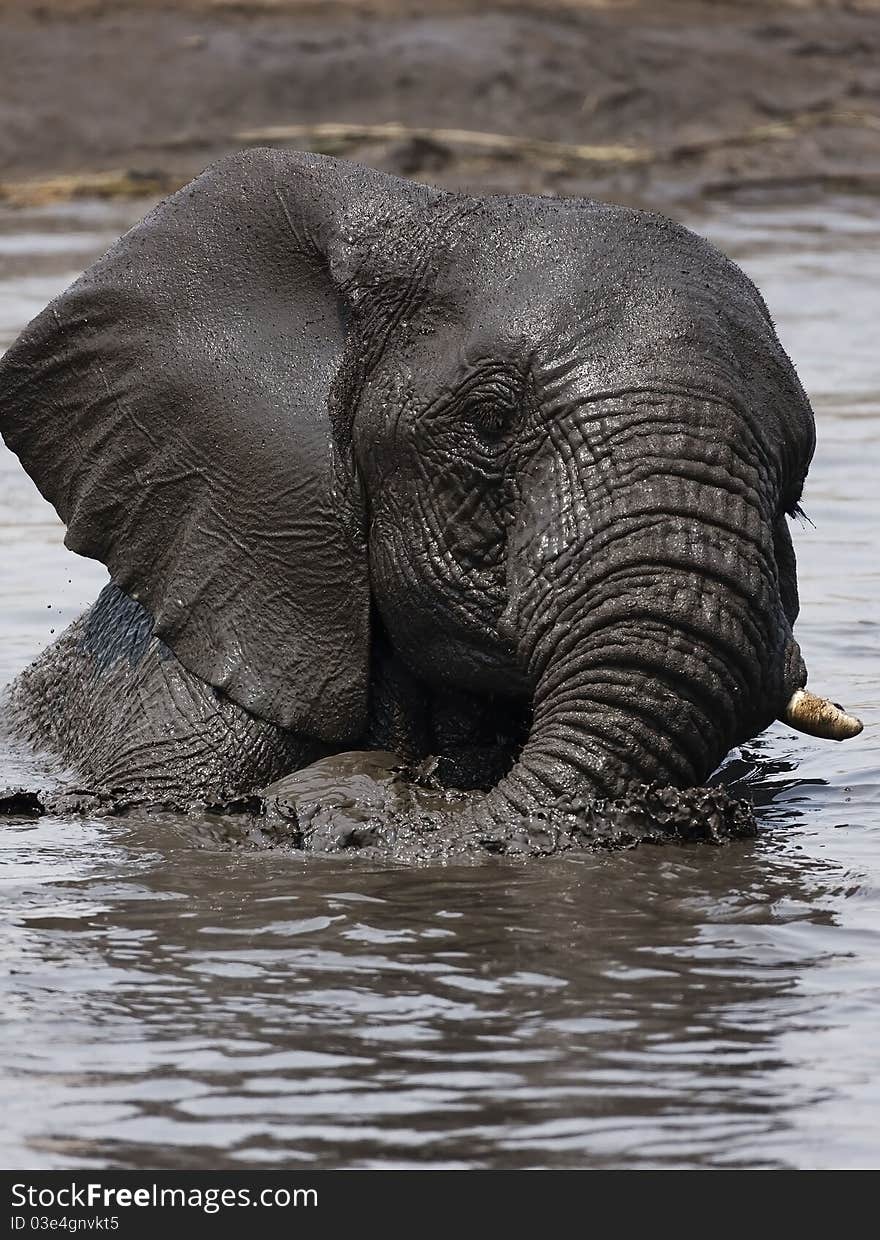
(172, 1001)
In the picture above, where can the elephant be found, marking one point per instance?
(375, 465)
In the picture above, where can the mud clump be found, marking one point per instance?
(373, 804)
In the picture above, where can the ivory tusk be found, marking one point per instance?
(818, 717)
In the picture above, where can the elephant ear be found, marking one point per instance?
(173, 406)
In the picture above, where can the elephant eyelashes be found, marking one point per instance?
(797, 513)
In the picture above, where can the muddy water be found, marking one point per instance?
(171, 1001)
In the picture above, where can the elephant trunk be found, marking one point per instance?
(646, 604)
(647, 703)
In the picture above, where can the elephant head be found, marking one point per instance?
(549, 447)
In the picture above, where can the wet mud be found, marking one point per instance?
(661, 102)
(374, 804)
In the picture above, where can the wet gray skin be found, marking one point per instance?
(180, 996)
(505, 480)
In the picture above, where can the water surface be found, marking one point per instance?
(172, 1001)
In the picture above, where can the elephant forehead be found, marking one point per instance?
(529, 266)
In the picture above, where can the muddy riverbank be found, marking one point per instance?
(658, 102)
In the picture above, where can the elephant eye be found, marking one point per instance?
(492, 418)
(494, 406)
